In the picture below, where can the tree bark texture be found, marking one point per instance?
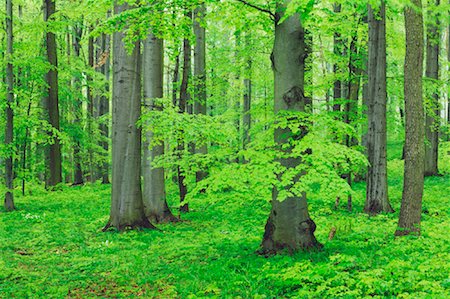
(377, 188)
(289, 225)
(432, 118)
(154, 193)
(127, 208)
(411, 206)
(9, 128)
(54, 159)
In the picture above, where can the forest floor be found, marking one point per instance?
(53, 247)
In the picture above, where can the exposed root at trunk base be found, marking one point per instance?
(138, 225)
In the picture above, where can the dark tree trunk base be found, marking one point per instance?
(9, 202)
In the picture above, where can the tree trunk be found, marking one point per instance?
(247, 117)
(200, 76)
(337, 48)
(377, 189)
(90, 106)
(433, 110)
(77, 106)
(9, 129)
(54, 153)
(127, 207)
(411, 207)
(104, 106)
(154, 193)
(184, 97)
(289, 225)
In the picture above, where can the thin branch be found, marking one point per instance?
(264, 10)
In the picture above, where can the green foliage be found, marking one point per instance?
(53, 247)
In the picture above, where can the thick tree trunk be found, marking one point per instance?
(54, 159)
(182, 104)
(377, 189)
(127, 207)
(77, 106)
(411, 207)
(9, 128)
(200, 76)
(433, 110)
(154, 193)
(289, 225)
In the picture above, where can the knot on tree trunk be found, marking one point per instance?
(293, 96)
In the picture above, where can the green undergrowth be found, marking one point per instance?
(53, 247)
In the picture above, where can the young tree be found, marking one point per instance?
(289, 225)
(52, 102)
(377, 190)
(433, 109)
(154, 193)
(127, 207)
(9, 129)
(411, 207)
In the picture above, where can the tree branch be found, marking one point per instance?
(264, 10)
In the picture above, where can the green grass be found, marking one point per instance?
(53, 247)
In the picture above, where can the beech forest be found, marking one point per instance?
(225, 149)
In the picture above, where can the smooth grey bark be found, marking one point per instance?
(200, 77)
(432, 118)
(246, 113)
(289, 225)
(411, 207)
(127, 207)
(154, 193)
(9, 128)
(377, 188)
(77, 106)
(52, 101)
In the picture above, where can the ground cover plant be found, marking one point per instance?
(52, 246)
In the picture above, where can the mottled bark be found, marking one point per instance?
(411, 207)
(289, 225)
(377, 189)
(433, 108)
(54, 153)
(154, 193)
(200, 76)
(127, 208)
(9, 128)
(90, 108)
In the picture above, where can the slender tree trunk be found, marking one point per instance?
(337, 48)
(9, 129)
(200, 77)
(247, 117)
(54, 159)
(289, 225)
(433, 110)
(127, 207)
(90, 106)
(377, 189)
(77, 106)
(411, 207)
(183, 101)
(103, 110)
(154, 193)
